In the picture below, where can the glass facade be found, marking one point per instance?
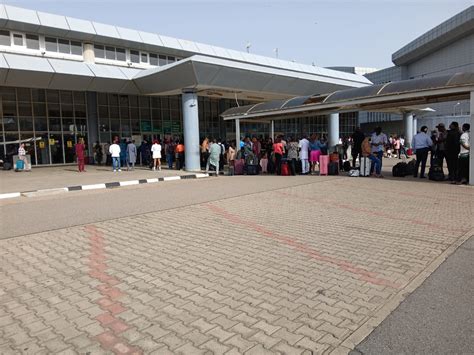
(51, 121)
(48, 121)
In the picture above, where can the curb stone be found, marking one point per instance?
(106, 185)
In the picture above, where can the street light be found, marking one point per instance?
(248, 45)
(454, 108)
(276, 52)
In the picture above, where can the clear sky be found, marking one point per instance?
(327, 32)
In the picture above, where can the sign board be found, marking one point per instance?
(69, 144)
(52, 141)
(41, 144)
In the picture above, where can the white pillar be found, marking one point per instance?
(237, 133)
(191, 130)
(88, 53)
(333, 129)
(272, 129)
(408, 128)
(471, 153)
(415, 125)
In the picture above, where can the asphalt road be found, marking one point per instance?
(438, 318)
(27, 215)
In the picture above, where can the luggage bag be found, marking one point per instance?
(365, 165)
(323, 164)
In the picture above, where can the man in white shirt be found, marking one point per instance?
(378, 141)
(303, 144)
(115, 153)
(422, 144)
(465, 146)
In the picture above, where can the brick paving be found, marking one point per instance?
(296, 270)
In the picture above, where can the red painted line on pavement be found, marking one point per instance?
(334, 203)
(109, 340)
(364, 275)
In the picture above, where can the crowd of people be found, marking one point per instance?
(291, 156)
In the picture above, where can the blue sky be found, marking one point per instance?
(328, 33)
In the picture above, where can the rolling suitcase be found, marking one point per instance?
(365, 165)
(333, 168)
(323, 164)
(239, 167)
(19, 165)
(285, 171)
(252, 169)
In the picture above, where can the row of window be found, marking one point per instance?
(135, 56)
(65, 46)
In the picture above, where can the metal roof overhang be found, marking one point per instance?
(225, 78)
(411, 100)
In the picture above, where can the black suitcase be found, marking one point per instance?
(333, 168)
(400, 170)
(251, 169)
(346, 166)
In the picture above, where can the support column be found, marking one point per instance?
(415, 125)
(408, 128)
(471, 151)
(333, 129)
(272, 130)
(191, 130)
(92, 124)
(237, 134)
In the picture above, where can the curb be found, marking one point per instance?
(106, 185)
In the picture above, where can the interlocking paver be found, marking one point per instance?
(230, 277)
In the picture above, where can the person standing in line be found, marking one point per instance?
(402, 148)
(132, 155)
(452, 149)
(315, 147)
(156, 154)
(169, 151)
(80, 149)
(465, 146)
(303, 144)
(278, 151)
(396, 146)
(422, 144)
(114, 150)
(108, 157)
(440, 144)
(378, 141)
(292, 155)
(179, 150)
(204, 152)
(214, 156)
(231, 155)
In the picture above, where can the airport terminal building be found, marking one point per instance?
(62, 78)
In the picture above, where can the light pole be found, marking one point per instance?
(276, 52)
(247, 46)
(454, 108)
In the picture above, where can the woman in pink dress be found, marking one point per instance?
(80, 149)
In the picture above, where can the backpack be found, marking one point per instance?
(346, 166)
(436, 173)
(400, 170)
(411, 167)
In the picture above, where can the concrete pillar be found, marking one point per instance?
(408, 128)
(237, 134)
(471, 152)
(191, 130)
(333, 129)
(415, 125)
(272, 129)
(92, 123)
(88, 53)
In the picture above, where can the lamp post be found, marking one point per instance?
(454, 108)
(247, 46)
(276, 52)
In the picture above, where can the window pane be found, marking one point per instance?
(51, 44)
(41, 124)
(67, 110)
(66, 97)
(52, 96)
(9, 116)
(80, 111)
(113, 100)
(120, 53)
(64, 46)
(153, 59)
(26, 123)
(162, 60)
(38, 95)
(23, 94)
(144, 57)
(76, 48)
(24, 109)
(79, 98)
(39, 110)
(110, 53)
(171, 59)
(54, 124)
(32, 42)
(17, 39)
(134, 56)
(5, 38)
(99, 51)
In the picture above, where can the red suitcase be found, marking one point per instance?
(239, 167)
(285, 171)
(323, 164)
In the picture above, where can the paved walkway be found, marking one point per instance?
(306, 268)
(64, 176)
